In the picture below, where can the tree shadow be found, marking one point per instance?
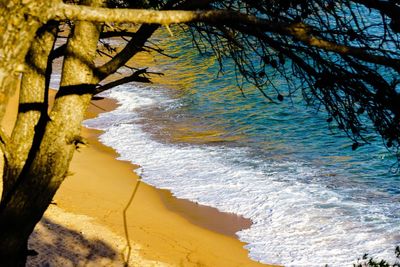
(58, 245)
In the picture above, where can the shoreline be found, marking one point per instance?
(85, 226)
(221, 222)
(170, 230)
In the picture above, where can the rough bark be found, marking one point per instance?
(41, 147)
(44, 170)
(32, 104)
(19, 21)
(162, 17)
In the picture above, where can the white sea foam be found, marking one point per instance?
(297, 220)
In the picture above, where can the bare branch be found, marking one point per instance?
(162, 17)
(134, 46)
(111, 34)
(300, 31)
(135, 77)
(58, 52)
(158, 50)
(303, 33)
(141, 36)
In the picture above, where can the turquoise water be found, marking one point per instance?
(287, 130)
(312, 200)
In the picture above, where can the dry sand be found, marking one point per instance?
(66, 239)
(105, 216)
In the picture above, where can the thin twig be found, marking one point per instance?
(135, 77)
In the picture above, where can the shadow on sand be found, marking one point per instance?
(58, 245)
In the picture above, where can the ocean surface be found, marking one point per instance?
(313, 201)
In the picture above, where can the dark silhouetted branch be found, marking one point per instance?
(135, 77)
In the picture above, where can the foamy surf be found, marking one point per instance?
(301, 215)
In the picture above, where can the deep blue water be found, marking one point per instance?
(312, 199)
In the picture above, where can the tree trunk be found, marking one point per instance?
(36, 168)
(32, 104)
(19, 21)
(45, 169)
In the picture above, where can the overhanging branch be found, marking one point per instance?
(163, 17)
(135, 77)
(300, 31)
(58, 52)
(111, 34)
(134, 46)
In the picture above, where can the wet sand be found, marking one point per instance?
(169, 230)
(103, 209)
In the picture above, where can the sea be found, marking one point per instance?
(312, 199)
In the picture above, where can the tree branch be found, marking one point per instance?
(303, 33)
(163, 17)
(300, 31)
(58, 52)
(386, 7)
(308, 36)
(134, 46)
(135, 77)
(111, 34)
(140, 37)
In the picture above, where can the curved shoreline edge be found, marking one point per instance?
(99, 190)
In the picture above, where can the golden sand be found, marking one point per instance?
(103, 211)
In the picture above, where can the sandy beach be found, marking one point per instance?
(103, 215)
